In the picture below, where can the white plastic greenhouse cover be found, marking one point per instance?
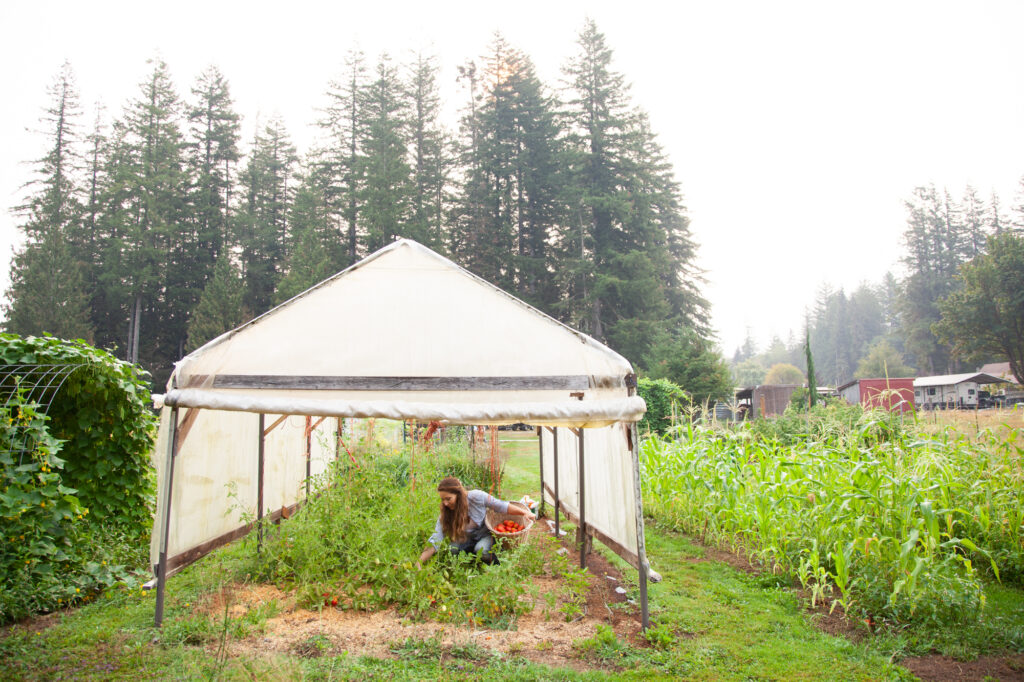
(403, 334)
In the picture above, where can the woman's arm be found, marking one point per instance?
(427, 553)
(521, 511)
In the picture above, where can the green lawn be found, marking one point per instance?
(712, 622)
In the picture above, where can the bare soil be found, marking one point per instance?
(542, 635)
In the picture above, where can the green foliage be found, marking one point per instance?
(355, 545)
(882, 360)
(868, 515)
(220, 307)
(102, 416)
(604, 645)
(783, 373)
(49, 555)
(812, 381)
(987, 314)
(691, 363)
(663, 399)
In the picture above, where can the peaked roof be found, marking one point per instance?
(406, 325)
(952, 379)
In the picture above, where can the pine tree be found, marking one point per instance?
(47, 292)
(511, 201)
(628, 256)
(144, 212)
(317, 253)
(431, 159)
(261, 224)
(220, 308)
(935, 249)
(339, 158)
(213, 149)
(387, 190)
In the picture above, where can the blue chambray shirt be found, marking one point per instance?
(479, 501)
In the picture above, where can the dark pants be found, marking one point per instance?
(478, 541)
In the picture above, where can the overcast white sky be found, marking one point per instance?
(797, 129)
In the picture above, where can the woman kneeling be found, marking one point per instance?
(462, 520)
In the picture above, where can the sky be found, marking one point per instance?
(797, 130)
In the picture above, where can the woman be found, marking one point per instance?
(462, 520)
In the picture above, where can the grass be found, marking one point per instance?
(711, 622)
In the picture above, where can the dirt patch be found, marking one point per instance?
(945, 669)
(541, 635)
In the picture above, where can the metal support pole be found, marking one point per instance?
(558, 504)
(582, 532)
(641, 550)
(259, 490)
(309, 452)
(165, 527)
(540, 449)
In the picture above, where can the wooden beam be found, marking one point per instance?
(277, 422)
(565, 382)
(185, 426)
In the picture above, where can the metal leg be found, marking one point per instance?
(641, 550)
(165, 521)
(259, 490)
(582, 532)
(558, 504)
(540, 448)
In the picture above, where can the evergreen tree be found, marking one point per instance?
(688, 360)
(882, 360)
(47, 292)
(935, 249)
(213, 149)
(340, 157)
(431, 158)
(262, 220)
(317, 253)
(387, 190)
(144, 210)
(812, 381)
(512, 196)
(220, 308)
(630, 226)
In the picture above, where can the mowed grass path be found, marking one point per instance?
(726, 625)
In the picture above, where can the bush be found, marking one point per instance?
(662, 398)
(102, 415)
(49, 555)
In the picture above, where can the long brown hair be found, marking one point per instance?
(454, 521)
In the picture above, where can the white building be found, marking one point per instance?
(950, 391)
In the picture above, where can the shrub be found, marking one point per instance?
(102, 415)
(49, 556)
(662, 397)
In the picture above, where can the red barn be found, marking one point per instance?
(889, 394)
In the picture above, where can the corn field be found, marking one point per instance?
(869, 515)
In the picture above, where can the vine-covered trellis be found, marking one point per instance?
(34, 384)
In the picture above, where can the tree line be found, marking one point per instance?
(940, 317)
(153, 233)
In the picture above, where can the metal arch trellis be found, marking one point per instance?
(35, 384)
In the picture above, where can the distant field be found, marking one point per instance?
(970, 422)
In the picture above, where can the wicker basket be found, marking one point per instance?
(493, 519)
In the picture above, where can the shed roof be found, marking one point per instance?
(953, 379)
